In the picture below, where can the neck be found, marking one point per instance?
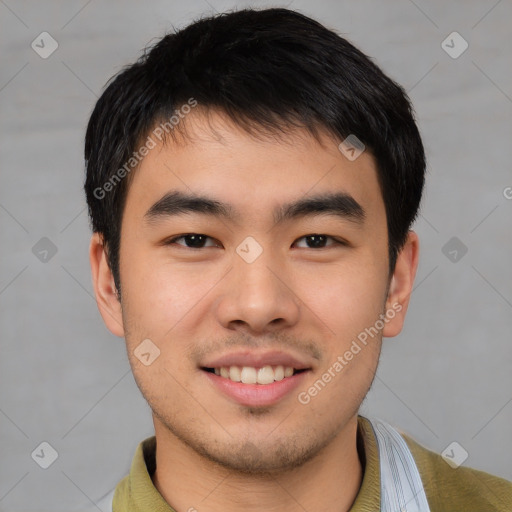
(328, 482)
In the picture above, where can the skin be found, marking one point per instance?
(213, 453)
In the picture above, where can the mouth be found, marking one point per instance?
(256, 379)
(262, 376)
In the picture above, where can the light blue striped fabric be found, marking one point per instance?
(401, 489)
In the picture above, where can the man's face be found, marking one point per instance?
(265, 285)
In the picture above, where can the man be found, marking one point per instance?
(252, 181)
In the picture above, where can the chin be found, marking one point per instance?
(261, 455)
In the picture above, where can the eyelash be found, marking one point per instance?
(336, 241)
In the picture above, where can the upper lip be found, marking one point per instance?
(256, 360)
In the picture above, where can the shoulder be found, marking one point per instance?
(462, 488)
(121, 496)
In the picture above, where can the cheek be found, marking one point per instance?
(157, 295)
(347, 296)
(169, 305)
(157, 301)
(350, 303)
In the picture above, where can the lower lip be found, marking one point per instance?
(256, 395)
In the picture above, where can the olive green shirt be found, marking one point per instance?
(447, 489)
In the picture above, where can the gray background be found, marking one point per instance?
(65, 380)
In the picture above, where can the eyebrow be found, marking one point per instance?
(339, 204)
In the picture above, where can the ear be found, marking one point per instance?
(104, 286)
(400, 287)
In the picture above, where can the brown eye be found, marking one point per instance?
(316, 241)
(193, 241)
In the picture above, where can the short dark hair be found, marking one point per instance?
(267, 70)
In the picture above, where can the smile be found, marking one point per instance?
(253, 375)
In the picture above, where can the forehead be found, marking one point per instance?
(254, 173)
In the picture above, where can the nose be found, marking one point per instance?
(256, 297)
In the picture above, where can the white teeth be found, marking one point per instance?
(265, 375)
(235, 374)
(248, 375)
(251, 375)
